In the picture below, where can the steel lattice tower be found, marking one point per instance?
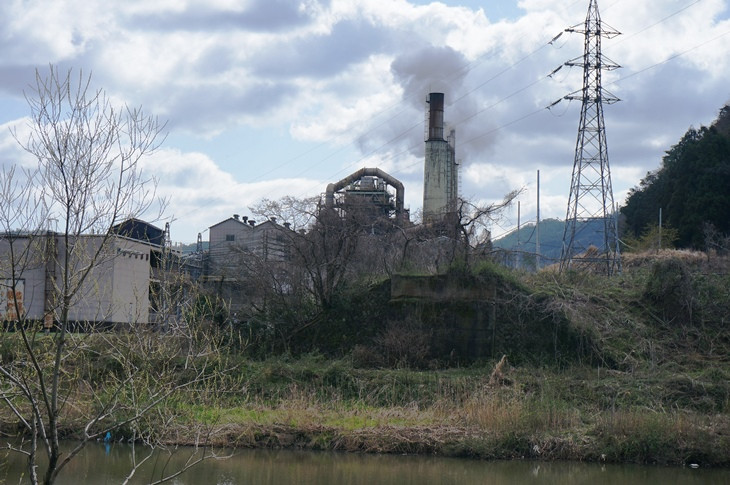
(590, 205)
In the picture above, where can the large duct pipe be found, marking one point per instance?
(329, 199)
(436, 116)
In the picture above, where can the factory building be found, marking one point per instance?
(126, 285)
(440, 175)
(136, 278)
(364, 197)
(238, 237)
(115, 292)
(240, 252)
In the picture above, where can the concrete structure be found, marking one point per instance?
(241, 255)
(440, 175)
(116, 290)
(238, 237)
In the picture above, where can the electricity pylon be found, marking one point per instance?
(590, 205)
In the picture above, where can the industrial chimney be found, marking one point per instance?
(440, 169)
(436, 116)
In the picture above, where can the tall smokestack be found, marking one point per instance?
(436, 116)
(440, 183)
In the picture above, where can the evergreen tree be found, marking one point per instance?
(692, 187)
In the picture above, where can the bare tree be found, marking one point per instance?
(88, 180)
(331, 247)
(321, 243)
(328, 250)
(299, 213)
(334, 249)
(457, 238)
(473, 221)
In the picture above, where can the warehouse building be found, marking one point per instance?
(115, 291)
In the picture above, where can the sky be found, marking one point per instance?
(268, 98)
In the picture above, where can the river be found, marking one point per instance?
(109, 464)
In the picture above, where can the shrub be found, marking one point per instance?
(404, 344)
(669, 288)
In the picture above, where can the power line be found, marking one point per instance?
(664, 19)
(519, 61)
(591, 194)
(462, 72)
(657, 23)
(671, 58)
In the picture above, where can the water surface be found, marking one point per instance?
(101, 464)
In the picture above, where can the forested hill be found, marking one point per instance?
(692, 187)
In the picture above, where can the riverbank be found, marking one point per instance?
(662, 415)
(637, 371)
(642, 375)
(514, 413)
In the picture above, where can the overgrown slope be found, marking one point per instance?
(690, 187)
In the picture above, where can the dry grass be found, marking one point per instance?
(646, 258)
(660, 394)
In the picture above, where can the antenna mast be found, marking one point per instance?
(590, 205)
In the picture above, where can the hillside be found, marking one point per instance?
(551, 238)
(690, 188)
(634, 368)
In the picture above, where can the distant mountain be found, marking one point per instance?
(191, 248)
(551, 238)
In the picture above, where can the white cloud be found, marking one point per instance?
(11, 152)
(353, 75)
(200, 194)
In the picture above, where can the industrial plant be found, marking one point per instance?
(129, 286)
(364, 196)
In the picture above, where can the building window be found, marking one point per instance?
(230, 237)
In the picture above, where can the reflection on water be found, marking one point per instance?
(110, 463)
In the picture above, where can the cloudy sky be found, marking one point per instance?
(266, 98)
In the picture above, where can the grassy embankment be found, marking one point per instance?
(654, 388)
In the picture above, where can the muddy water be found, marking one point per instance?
(101, 464)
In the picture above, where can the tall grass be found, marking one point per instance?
(659, 393)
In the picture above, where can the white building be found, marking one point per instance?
(115, 289)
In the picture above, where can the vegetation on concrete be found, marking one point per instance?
(647, 381)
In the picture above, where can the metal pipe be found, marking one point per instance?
(329, 199)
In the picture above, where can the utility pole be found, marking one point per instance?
(590, 205)
(518, 256)
(537, 226)
(660, 229)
